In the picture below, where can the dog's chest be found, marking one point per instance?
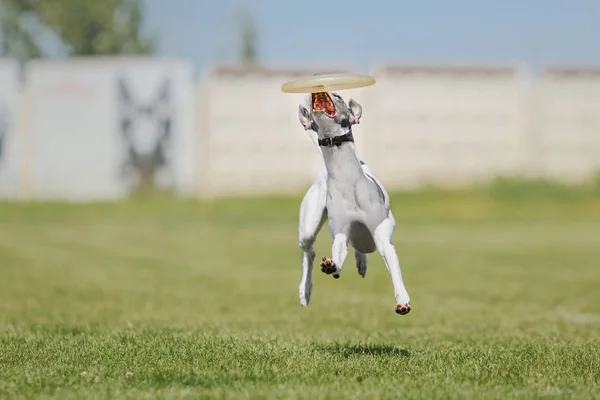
(343, 197)
(358, 201)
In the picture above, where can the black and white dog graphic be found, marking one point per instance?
(146, 129)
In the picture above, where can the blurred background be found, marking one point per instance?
(99, 100)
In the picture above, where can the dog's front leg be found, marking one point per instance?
(383, 240)
(339, 251)
(313, 214)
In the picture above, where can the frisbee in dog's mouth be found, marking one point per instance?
(321, 102)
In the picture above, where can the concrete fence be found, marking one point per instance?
(98, 129)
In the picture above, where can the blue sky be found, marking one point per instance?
(355, 34)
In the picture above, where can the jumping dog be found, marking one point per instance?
(347, 195)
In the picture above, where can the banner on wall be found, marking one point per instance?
(102, 129)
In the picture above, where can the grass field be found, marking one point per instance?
(181, 299)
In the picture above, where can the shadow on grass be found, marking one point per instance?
(348, 350)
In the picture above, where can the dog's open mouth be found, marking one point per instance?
(321, 102)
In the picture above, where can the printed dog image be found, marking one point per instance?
(146, 129)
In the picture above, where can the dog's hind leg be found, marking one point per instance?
(383, 240)
(313, 214)
(361, 262)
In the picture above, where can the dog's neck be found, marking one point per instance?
(341, 158)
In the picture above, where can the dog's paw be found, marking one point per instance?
(361, 266)
(304, 295)
(402, 309)
(328, 267)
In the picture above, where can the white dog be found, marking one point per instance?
(348, 195)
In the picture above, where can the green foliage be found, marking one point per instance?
(18, 40)
(86, 28)
(520, 189)
(98, 27)
(248, 51)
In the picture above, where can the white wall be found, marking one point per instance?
(441, 125)
(235, 133)
(566, 134)
(445, 125)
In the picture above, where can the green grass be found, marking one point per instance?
(199, 300)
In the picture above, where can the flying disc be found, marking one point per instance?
(327, 83)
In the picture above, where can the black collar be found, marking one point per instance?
(336, 140)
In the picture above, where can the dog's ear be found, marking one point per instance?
(305, 117)
(355, 111)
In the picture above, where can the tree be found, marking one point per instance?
(18, 40)
(97, 27)
(248, 51)
(85, 28)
